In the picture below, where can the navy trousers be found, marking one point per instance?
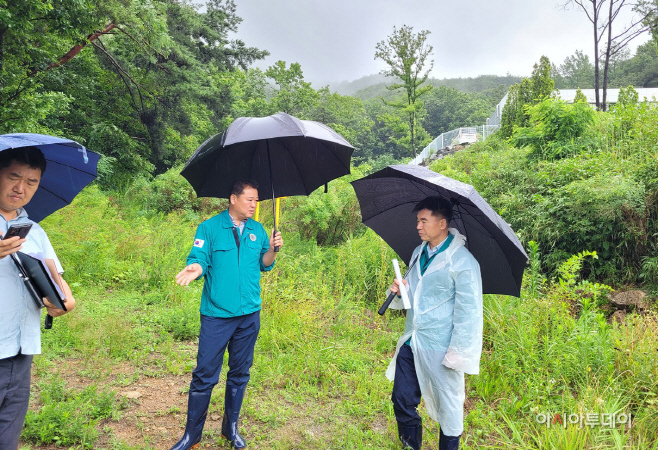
(406, 390)
(14, 398)
(238, 334)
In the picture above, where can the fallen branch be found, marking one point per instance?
(75, 50)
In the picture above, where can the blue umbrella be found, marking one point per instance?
(70, 168)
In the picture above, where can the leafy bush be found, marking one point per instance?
(556, 129)
(569, 274)
(604, 213)
(329, 218)
(603, 201)
(170, 192)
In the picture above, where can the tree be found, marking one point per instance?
(406, 55)
(529, 92)
(541, 83)
(34, 37)
(649, 9)
(618, 43)
(143, 82)
(641, 70)
(249, 90)
(448, 108)
(294, 95)
(603, 14)
(576, 72)
(348, 117)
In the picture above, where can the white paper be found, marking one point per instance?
(403, 288)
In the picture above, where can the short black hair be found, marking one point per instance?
(437, 205)
(238, 186)
(28, 156)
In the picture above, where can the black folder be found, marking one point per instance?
(36, 277)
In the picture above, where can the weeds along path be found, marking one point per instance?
(115, 372)
(318, 383)
(121, 382)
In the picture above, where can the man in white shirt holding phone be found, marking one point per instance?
(20, 321)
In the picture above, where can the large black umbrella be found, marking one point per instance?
(388, 197)
(70, 167)
(285, 155)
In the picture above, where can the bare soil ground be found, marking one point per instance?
(156, 407)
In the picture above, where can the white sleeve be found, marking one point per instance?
(49, 252)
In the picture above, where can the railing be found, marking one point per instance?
(453, 137)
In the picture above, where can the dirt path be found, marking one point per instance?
(156, 406)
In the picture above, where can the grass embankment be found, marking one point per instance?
(114, 373)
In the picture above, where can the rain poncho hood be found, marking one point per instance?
(444, 326)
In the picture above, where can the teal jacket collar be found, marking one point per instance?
(228, 223)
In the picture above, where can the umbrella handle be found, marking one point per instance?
(274, 232)
(388, 301)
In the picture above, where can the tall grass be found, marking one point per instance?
(318, 377)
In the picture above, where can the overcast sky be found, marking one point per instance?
(334, 40)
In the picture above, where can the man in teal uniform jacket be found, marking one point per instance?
(230, 251)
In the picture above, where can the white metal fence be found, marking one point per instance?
(455, 137)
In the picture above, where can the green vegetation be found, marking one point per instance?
(318, 379)
(153, 79)
(406, 55)
(529, 92)
(580, 190)
(144, 82)
(576, 180)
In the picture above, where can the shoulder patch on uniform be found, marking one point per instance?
(199, 243)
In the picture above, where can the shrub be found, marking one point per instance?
(604, 213)
(169, 192)
(329, 218)
(556, 129)
(601, 201)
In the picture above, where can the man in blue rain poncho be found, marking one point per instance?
(442, 338)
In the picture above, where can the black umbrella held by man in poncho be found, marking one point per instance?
(285, 155)
(387, 199)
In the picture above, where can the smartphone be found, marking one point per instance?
(19, 230)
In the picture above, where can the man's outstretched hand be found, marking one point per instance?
(189, 274)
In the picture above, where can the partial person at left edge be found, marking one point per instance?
(20, 318)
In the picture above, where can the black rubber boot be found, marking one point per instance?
(197, 410)
(232, 404)
(411, 437)
(448, 442)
